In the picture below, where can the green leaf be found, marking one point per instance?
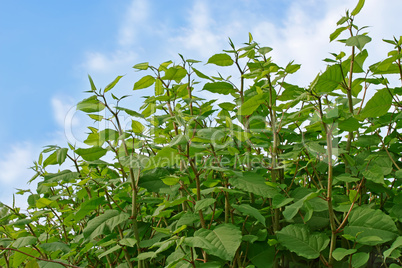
(358, 41)
(25, 241)
(146, 255)
(88, 206)
(357, 9)
(93, 88)
(219, 87)
(144, 82)
(43, 202)
(253, 183)
(203, 203)
(359, 259)
(20, 257)
(158, 87)
(90, 105)
(225, 238)
(250, 105)
(137, 127)
(111, 85)
(98, 225)
(246, 209)
(141, 66)
(165, 157)
(299, 240)
(110, 250)
(91, 154)
(366, 222)
(51, 159)
(340, 253)
(350, 124)
(336, 33)
(329, 80)
(176, 73)
(55, 246)
(61, 155)
(222, 59)
(291, 210)
(378, 105)
(397, 244)
(201, 75)
(129, 242)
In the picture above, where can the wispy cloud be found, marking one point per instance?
(15, 172)
(201, 36)
(133, 21)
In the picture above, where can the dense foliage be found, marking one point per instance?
(282, 176)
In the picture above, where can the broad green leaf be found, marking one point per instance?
(340, 253)
(198, 242)
(264, 50)
(88, 206)
(43, 202)
(374, 174)
(112, 84)
(176, 73)
(253, 183)
(61, 155)
(20, 257)
(158, 88)
(350, 124)
(165, 157)
(222, 59)
(298, 239)
(227, 106)
(397, 244)
(367, 222)
(262, 255)
(137, 127)
(250, 105)
(219, 87)
(141, 66)
(329, 80)
(146, 255)
(336, 33)
(225, 238)
(378, 105)
(291, 210)
(98, 225)
(358, 41)
(55, 246)
(129, 242)
(203, 203)
(25, 241)
(246, 209)
(144, 82)
(47, 264)
(201, 75)
(51, 159)
(91, 154)
(110, 250)
(90, 105)
(357, 9)
(359, 259)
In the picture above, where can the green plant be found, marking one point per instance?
(283, 176)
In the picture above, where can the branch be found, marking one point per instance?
(38, 258)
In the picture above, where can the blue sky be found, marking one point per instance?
(48, 48)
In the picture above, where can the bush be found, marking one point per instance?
(283, 176)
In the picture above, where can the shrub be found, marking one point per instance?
(283, 176)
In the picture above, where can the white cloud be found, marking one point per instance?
(133, 20)
(104, 63)
(62, 109)
(15, 172)
(201, 36)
